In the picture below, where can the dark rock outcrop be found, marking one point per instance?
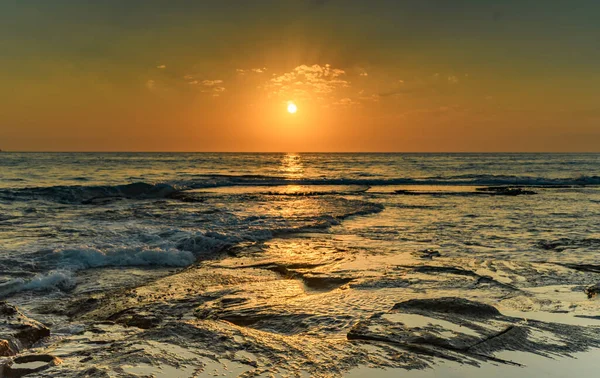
(17, 331)
(452, 305)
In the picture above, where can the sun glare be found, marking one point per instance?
(292, 108)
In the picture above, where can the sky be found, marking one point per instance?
(376, 75)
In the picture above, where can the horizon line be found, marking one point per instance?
(296, 152)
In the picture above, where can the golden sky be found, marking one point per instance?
(380, 75)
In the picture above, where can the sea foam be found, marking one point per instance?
(55, 279)
(88, 257)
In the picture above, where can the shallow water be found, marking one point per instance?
(283, 256)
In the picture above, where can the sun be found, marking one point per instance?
(292, 108)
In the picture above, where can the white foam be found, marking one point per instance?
(88, 257)
(55, 279)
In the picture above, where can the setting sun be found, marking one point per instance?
(292, 108)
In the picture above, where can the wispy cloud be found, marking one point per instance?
(346, 101)
(308, 81)
(213, 87)
(211, 83)
(243, 71)
(161, 67)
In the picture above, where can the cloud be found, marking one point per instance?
(243, 71)
(216, 91)
(211, 83)
(364, 73)
(452, 79)
(213, 87)
(346, 101)
(308, 81)
(150, 84)
(161, 67)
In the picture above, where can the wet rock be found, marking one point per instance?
(562, 244)
(428, 254)
(17, 331)
(467, 331)
(93, 372)
(81, 306)
(593, 290)
(131, 318)
(311, 280)
(5, 349)
(29, 364)
(452, 305)
(505, 191)
(318, 282)
(488, 191)
(583, 267)
(431, 269)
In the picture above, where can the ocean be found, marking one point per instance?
(294, 264)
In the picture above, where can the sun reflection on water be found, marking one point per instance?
(291, 166)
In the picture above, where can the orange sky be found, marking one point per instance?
(366, 76)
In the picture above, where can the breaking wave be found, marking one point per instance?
(90, 194)
(56, 279)
(85, 258)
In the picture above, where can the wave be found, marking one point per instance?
(173, 247)
(90, 194)
(56, 279)
(88, 257)
(142, 190)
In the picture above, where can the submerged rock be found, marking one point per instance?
(487, 191)
(453, 305)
